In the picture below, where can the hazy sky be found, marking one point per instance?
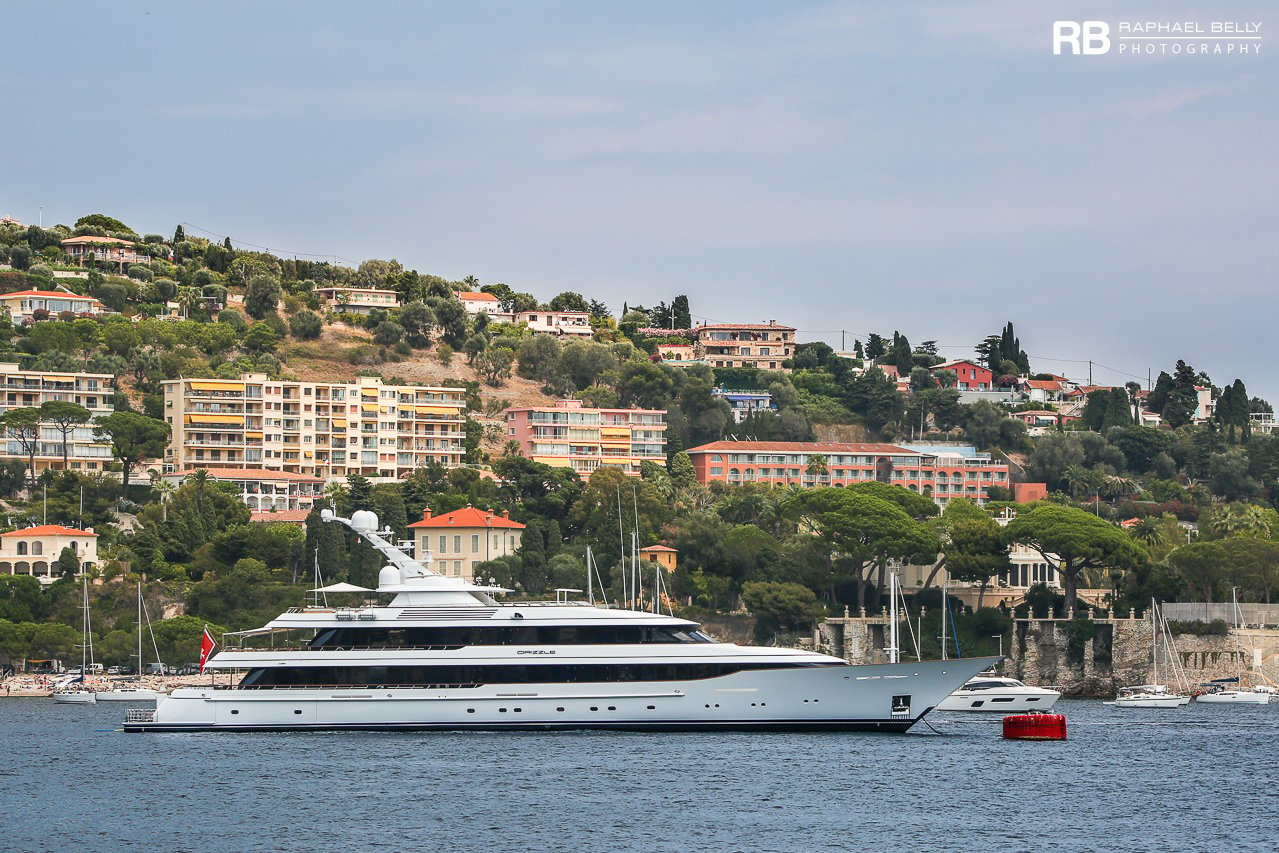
(928, 167)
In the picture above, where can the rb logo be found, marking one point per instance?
(1088, 38)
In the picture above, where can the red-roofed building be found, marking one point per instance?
(23, 304)
(969, 375)
(108, 250)
(485, 303)
(660, 554)
(763, 346)
(939, 472)
(35, 550)
(459, 540)
(1047, 390)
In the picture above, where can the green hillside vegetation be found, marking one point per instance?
(792, 554)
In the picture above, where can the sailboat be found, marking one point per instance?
(76, 692)
(133, 691)
(1226, 691)
(1156, 694)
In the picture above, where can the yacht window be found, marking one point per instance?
(473, 675)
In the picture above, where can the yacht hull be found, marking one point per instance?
(1234, 697)
(886, 698)
(1169, 701)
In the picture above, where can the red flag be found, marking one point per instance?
(206, 648)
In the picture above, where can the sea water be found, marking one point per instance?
(1194, 778)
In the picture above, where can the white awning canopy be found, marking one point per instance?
(342, 587)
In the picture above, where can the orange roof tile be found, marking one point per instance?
(282, 516)
(87, 239)
(751, 326)
(468, 517)
(800, 447)
(55, 294)
(659, 548)
(49, 530)
(478, 297)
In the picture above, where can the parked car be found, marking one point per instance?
(189, 669)
(157, 669)
(96, 669)
(113, 670)
(75, 670)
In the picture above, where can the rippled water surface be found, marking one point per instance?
(1196, 778)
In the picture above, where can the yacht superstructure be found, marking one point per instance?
(444, 654)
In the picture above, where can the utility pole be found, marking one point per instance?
(1090, 372)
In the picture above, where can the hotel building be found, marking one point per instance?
(30, 388)
(940, 472)
(320, 429)
(570, 435)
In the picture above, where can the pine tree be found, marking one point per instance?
(1158, 396)
(680, 311)
(179, 235)
(554, 539)
(874, 346)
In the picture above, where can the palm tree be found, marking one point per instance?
(1238, 519)
(471, 282)
(164, 489)
(188, 300)
(200, 479)
(1119, 487)
(817, 468)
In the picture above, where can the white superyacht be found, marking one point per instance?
(443, 654)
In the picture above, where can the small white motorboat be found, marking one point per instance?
(990, 692)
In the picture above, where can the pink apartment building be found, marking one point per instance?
(570, 435)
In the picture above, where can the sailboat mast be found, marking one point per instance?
(590, 581)
(1154, 641)
(139, 671)
(893, 653)
(945, 606)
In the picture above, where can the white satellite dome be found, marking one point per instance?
(364, 521)
(389, 576)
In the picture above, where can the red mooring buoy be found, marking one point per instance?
(1035, 727)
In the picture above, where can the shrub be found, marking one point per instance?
(306, 325)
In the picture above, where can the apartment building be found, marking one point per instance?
(458, 540)
(358, 300)
(942, 473)
(321, 429)
(759, 345)
(31, 388)
(570, 435)
(559, 323)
